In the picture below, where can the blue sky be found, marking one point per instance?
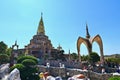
(64, 20)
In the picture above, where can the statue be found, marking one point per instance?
(14, 75)
(88, 41)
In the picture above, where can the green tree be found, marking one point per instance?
(8, 51)
(3, 47)
(84, 57)
(4, 58)
(74, 56)
(5, 53)
(113, 60)
(93, 57)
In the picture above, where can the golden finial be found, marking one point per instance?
(41, 26)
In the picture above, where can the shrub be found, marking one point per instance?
(114, 78)
(18, 66)
(28, 62)
(25, 72)
(4, 58)
(21, 68)
(21, 59)
(24, 64)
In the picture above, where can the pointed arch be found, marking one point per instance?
(79, 42)
(15, 45)
(98, 39)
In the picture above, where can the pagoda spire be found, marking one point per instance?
(41, 26)
(16, 42)
(69, 55)
(87, 32)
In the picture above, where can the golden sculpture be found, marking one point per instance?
(88, 42)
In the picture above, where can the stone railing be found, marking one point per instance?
(99, 76)
(68, 64)
(67, 72)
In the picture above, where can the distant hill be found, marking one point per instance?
(112, 56)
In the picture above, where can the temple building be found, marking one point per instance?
(40, 45)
